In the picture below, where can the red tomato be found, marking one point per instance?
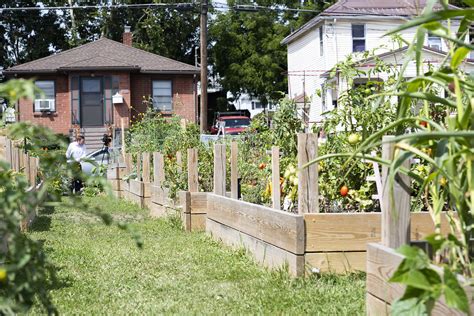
(344, 190)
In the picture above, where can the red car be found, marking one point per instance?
(233, 124)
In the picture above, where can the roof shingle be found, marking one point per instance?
(104, 54)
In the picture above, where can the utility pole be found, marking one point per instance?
(203, 121)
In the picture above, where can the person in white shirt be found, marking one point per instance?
(75, 152)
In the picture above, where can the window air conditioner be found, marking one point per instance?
(44, 104)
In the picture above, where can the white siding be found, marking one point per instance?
(305, 65)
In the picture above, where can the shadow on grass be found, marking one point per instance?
(42, 222)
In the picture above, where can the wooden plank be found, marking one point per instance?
(198, 202)
(158, 169)
(136, 187)
(193, 176)
(147, 189)
(308, 191)
(375, 306)
(352, 231)
(396, 208)
(276, 177)
(234, 170)
(337, 262)
(124, 185)
(264, 253)
(123, 137)
(179, 161)
(157, 210)
(198, 222)
(382, 262)
(136, 199)
(138, 166)
(115, 184)
(185, 201)
(8, 151)
(146, 167)
(281, 229)
(219, 169)
(128, 163)
(341, 232)
(157, 194)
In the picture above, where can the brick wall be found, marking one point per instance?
(59, 121)
(133, 88)
(183, 87)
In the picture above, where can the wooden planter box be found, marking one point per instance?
(274, 238)
(115, 173)
(139, 192)
(193, 210)
(338, 242)
(160, 204)
(382, 262)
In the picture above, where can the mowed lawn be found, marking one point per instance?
(101, 271)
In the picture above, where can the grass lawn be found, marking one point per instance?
(101, 271)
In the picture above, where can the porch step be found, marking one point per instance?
(93, 136)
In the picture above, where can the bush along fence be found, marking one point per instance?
(308, 241)
(21, 162)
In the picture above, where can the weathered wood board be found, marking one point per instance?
(278, 228)
(352, 231)
(263, 252)
(337, 262)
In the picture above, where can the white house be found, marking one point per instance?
(351, 26)
(246, 102)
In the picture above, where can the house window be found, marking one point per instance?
(45, 101)
(162, 95)
(321, 41)
(358, 37)
(434, 42)
(256, 105)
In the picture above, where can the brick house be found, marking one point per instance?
(103, 83)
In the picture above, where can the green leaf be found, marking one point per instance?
(409, 307)
(454, 294)
(436, 241)
(413, 278)
(458, 57)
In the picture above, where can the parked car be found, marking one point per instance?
(231, 123)
(95, 159)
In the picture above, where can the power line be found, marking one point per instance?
(184, 6)
(99, 6)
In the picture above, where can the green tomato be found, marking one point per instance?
(354, 138)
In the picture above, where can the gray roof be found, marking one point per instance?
(401, 8)
(104, 54)
(385, 9)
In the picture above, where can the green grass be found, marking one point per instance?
(101, 271)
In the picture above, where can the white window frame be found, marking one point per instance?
(359, 38)
(321, 41)
(51, 99)
(167, 107)
(439, 43)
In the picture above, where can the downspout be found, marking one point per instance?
(196, 112)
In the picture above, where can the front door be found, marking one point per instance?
(92, 102)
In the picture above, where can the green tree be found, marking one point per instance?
(246, 53)
(28, 35)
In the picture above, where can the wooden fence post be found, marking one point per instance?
(146, 167)
(234, 172)
(179, 161)
(396, 208)
(8, 151)
(219, 169)
(139, 166)
(158, 169)
(128, 163)
(122, 135)
(193, 177)
(276, 177)
(308, 190)
(34, 162)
